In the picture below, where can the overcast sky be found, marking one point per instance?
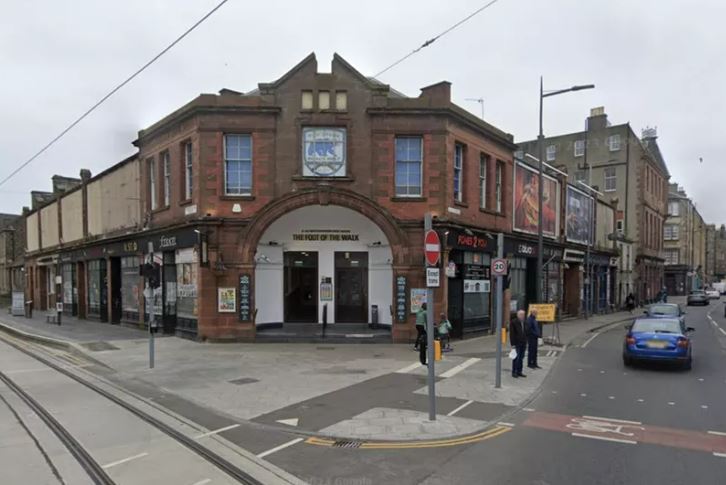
(655, 63)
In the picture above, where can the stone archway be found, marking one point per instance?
(250, 239)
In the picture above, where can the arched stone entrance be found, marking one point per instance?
(311, 259)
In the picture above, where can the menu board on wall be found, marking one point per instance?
(245, 298)
(401, 299)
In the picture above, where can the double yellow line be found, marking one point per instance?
(388, 445)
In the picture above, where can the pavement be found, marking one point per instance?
(346, 391)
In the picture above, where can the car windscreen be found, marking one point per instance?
(671, 310)
(656, 326)
(697, 293)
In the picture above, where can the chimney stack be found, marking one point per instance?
(598, 119)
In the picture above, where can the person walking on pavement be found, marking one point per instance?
(420, 326)
(533, 332)
(630, 302)
(518, 340)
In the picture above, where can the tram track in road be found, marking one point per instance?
(95, 471)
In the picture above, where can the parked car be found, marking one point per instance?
(667, 310)
(658, 339)
(713, 294)
(697, 297)
(720, 286)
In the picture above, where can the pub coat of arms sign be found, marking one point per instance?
(324, 152)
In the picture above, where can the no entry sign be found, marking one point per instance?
(432, 247)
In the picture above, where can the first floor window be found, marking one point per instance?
(670, 232)
(498, 184)
(238, 164)
(551, 153)
(458, 171)
(409, 160)
(671, 256)
(610, 179)
(483, 167)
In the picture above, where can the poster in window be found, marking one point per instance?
(226, 301)
(418, 298)
(578, 216)
(526, 201)
(477, 286)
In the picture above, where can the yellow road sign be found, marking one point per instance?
(545, 311)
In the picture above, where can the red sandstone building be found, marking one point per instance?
(298, 202)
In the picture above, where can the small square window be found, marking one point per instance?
(324, 100)
(551, 153)
(307, 100)
(579, 148)
(341, 100)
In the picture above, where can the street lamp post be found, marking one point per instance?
(540, 151)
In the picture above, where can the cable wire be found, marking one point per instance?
(112, 92)
(434, 39)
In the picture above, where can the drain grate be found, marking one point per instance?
(346, 444)
(243, 380)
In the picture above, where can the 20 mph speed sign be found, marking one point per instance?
(499, 267)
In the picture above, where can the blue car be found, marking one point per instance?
(658, 339)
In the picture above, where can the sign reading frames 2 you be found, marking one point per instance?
(323, 152)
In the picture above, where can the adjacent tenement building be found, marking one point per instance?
(631, 172)
(684, 244)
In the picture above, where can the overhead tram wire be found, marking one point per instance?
(112, 92)
(437, 37)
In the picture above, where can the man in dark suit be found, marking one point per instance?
(532, 330)
(518, 340)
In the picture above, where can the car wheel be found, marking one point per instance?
(688, 365)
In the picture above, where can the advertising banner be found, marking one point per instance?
(526, 201)
(578, 216)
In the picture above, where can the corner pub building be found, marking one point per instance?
(303, 201)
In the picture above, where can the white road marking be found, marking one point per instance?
(278, 448)
(289, 422)
(604, 438)
(202, 482)
(700, 379)
(722, 330)
(579, 370)
(717, 433)
(703, 406)
(220, 430)
(602, 372)
(460, 408)
(554, 392)
(409, 368)
(611, 397)
(720, 455)
(671, 403)
(501, 423)
(641, 400)
(455, 370)
(582, 394)
(589, 340)
(114, 463)
(612, 420)
(23, 371)
(529, 410)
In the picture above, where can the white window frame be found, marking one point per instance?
(483, 168)
(166, 167)
(668, 256)
(396, 161)
(551, 153)
(152, 184)
(614, 143)
(188, 170)
(671, 232)
(579, 148)
(498, 176)
(610, 179)
(242, 191)
(677, 205)
(458, 172)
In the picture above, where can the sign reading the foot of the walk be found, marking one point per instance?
(337, 235)
(324, 152)
(244, 298)
(545, 311)
(401, 298)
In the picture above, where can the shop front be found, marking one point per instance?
(467, 271)
(522, 256)
(323, 263)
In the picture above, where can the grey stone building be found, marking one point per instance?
(684, 244)
(12, 244)
(632, 173)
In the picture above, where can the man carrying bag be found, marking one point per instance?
(518, 340)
